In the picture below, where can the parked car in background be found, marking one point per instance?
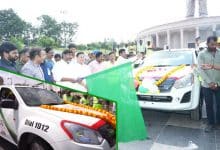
(180, 91)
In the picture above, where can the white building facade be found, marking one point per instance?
(181, 34)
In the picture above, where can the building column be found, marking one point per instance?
(181, 38)
(197, 32)
(214, 29)
(157, 40)
(168, 39)
(197, 38)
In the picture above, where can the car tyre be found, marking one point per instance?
(39, 144)
(197, 113)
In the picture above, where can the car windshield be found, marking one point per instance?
(169, 58)
(36, 96)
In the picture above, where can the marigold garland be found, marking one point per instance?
(162, 79)
(137, 76)
(105, 115)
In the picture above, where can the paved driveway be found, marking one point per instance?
(171, 131)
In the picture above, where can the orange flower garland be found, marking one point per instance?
(105, 115)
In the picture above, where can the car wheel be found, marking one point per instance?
(197, 113)
(39, 144)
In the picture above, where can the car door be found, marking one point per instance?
(8, 117)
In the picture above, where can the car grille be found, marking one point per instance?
(108, 133)
(152, 98)
(166, 85)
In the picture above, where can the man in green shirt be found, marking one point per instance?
(209, 70)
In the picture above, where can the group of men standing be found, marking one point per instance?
(41, 63)
(75, 66)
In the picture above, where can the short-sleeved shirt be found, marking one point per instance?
(33, 70)
(9, 65)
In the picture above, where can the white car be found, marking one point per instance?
(30, 127)
(180, 91)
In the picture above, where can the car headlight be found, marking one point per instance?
(81, 134)
(184, 81)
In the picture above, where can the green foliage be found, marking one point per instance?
(82, 47)
(106, 45)
(46, 42)
(94, 45)
(49, 27)
(11, 25)
(18, 42)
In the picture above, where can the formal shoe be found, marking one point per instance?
(209, 128)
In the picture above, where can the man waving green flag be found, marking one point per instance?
(117, 84)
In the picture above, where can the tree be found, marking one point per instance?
(46, 42)
(11, 25)
(94, 45)
(18, 41)
(49, 27)
(108, 44)
(68, 30)
(28, 34)
(81, 47)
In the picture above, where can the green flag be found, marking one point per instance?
(117, 84)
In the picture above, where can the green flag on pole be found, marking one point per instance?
(117, 84)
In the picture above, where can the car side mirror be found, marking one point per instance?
(9, 103)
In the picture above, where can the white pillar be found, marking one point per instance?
(168, 39)
(197, 32)
(214, 28)
(197, 42)
(181, 39)
(157, 40)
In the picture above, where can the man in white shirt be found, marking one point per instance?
(97, 64)
(80, 69)
(141, 47)
(112, 60)
(122, 57)
(63, 71)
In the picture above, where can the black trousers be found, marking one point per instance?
(209, 95)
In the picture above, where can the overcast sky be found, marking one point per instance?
(99, 19)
